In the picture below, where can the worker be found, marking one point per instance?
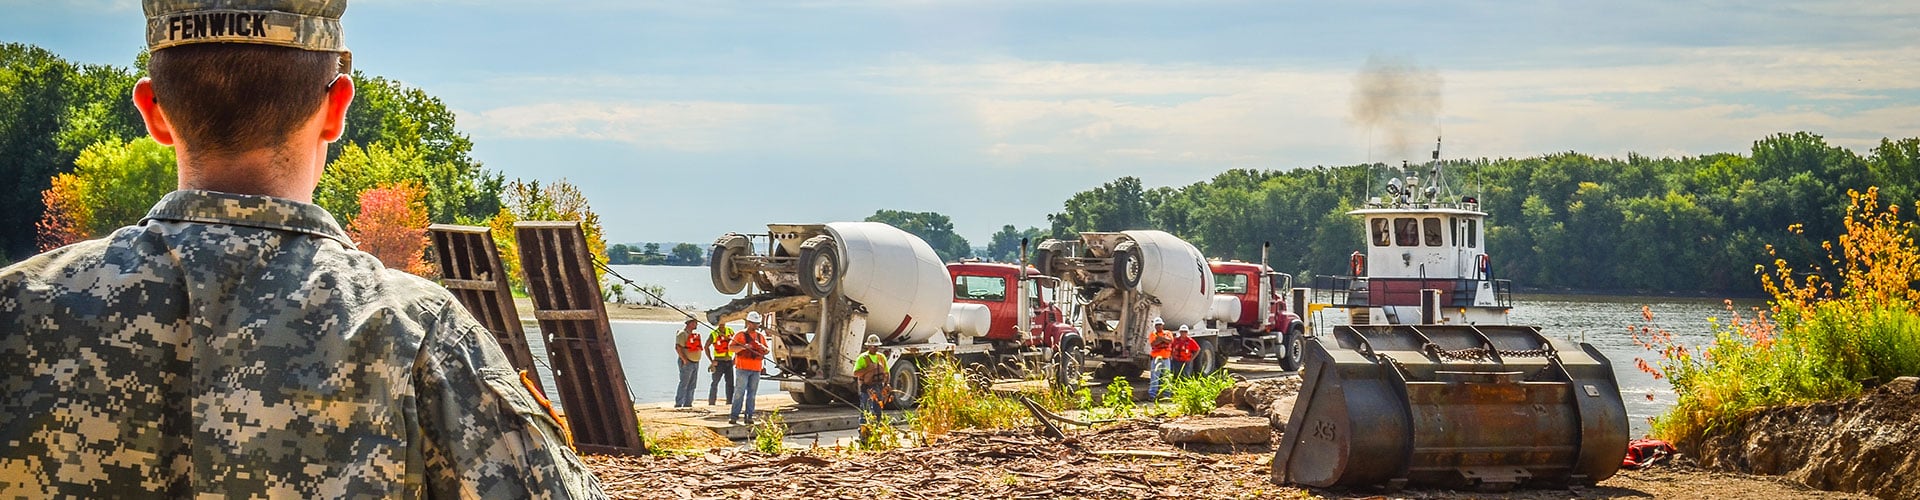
(686, 346)
(719, 362)
(749, 357)
(870, 369)
(1161, 342)
(234, 343)
(1184, 349)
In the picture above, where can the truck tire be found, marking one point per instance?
(1207, 360)
(819, 266)
(1127, 267)
(727, 279)
(1069, 363)
(1044, 256)
(1291, 348)
(905, 380)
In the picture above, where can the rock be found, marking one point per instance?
(1904, 385)
(1229, 397)
(1282, 409)
(1228, 430)
(1227, 412)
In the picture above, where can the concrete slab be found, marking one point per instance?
(801, 419)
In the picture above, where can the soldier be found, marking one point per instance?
(234, 343)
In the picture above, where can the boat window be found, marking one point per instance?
(1455, 222)
(1406, 232)
(1230, 283)
(1472, 238)
(982, 288)
(1432, 231)
(1380, 233)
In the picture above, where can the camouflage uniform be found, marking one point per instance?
(234, 345)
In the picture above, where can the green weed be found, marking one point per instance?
(770, 435)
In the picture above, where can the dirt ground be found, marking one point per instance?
(1125, 460)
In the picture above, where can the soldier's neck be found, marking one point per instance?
(279, 172)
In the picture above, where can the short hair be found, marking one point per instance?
(233, 98)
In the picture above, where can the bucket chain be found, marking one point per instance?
(1465, 354)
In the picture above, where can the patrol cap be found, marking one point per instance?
(301, 24)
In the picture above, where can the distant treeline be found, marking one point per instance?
(1563, 220)
(682, 254)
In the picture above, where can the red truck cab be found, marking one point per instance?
(1247, 282)
(1003, 289)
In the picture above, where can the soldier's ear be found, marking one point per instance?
(149, 106)
(334, 119)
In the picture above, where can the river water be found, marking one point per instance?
(646, 352)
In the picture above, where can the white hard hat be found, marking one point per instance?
(1157, 321)
(873, 340)
(1183, 328)
(753, 316)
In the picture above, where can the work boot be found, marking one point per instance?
(733, 421)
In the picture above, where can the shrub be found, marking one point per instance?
(1814, 342)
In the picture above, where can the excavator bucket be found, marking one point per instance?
(1453, 407)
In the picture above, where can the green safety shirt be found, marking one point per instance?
(867, 359)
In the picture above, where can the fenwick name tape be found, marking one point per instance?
(245, 26)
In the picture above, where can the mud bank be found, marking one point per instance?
(1869, 444)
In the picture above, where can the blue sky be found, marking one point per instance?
(684, 120)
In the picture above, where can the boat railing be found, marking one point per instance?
(1360, 291)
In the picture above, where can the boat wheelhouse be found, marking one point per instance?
(1425, 262)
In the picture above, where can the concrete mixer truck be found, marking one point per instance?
(826, 287)
(1122, 280)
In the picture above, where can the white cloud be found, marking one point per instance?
(671, 126)
(1692, 100)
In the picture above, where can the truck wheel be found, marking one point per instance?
(1069, 363)
(1044, 255)
(1291, 349)
(1208, 359)
(1127, 267)
(819, 266)
(905, 380)
(728, 279)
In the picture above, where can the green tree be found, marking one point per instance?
(556, 201)
(687, 254)
(404, 117)
(617, 254)
(33, 111)
(123, 181)
(1004, 246)
(933, 227)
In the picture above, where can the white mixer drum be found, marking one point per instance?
(898, 277)
(1175, 272)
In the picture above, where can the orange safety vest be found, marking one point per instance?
(748, 349)
(1162, 343)
(693, 345)
(721, 344)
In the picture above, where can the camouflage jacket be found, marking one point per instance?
(238, 346)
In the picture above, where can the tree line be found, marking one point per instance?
(1555, 221)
